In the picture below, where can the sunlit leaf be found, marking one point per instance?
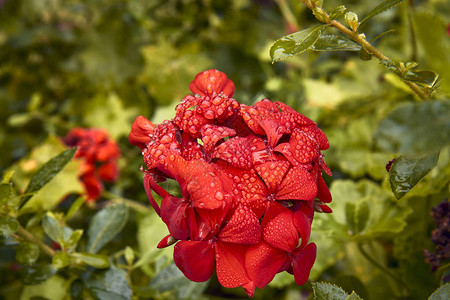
(415, 128)
(49, 170)
(53, 288)
(388, 4)
(63, 183)
(71, 243)
(8, 225)
(295, 43)
(328, 291)
(60, 260)
(171, 278)
(424, 78)
(52, 227)
(110, 284)
(37, 273)
(405, 172)
(442, 293)
(331, 42)
(94, 260)
(27, 253)
(74, 207)
(105, 225)
(351, 219)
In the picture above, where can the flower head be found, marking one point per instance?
(98, 154)
(250, 180)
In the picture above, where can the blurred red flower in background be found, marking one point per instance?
(98, 154)
(250, 179)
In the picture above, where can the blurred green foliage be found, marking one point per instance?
(100, 63)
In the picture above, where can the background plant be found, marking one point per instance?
(101, 63)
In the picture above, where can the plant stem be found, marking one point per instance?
(28, 236)
(380, 266)
(360, 39)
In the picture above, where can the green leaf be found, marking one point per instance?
(60, 260)
(295, 43)
(64, 183)
(27, 253)
(54, 288)
(49, 170)
(337, 12)
(107, 285)
(105, 225)
(328, 291)
(52, 227)
(171, 278)
(74, 207)
(362, 214)
(129, 255)
(353, 296)
(415, 128)
(37, 273)
(442, 293)
(331, 42)
(405, 172)
(351, 220)
(8, 225)
(388, 4)
(71, 243)
(94, 260)
(425, 78)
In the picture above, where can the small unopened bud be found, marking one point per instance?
(320, 14)
(167, 241)
(352, 20)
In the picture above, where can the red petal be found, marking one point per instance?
(301, 149)
(195, 259)
(238, 151)
(211, 134)
(247, 188)
(303, 262)
(243, 227)
(251, 117)
(263, 262)
(148, 182)
(140, 132)
(318, 135)
(297, 185)
(291, 117)
(92, 185)
(108, 171)
(212, 82)
(230, 265)
(173, 213)
(249, 288)
(303, 225)
(272, 173)
(280, 232)
(202, 184)
(274, 131)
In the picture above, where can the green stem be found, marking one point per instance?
(360, 39)
(28, 236)
(286, 12)
(381, 267)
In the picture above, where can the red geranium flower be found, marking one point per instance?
(99, 154)
(250, 180)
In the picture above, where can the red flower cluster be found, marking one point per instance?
(99, 154)
(249, 179)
